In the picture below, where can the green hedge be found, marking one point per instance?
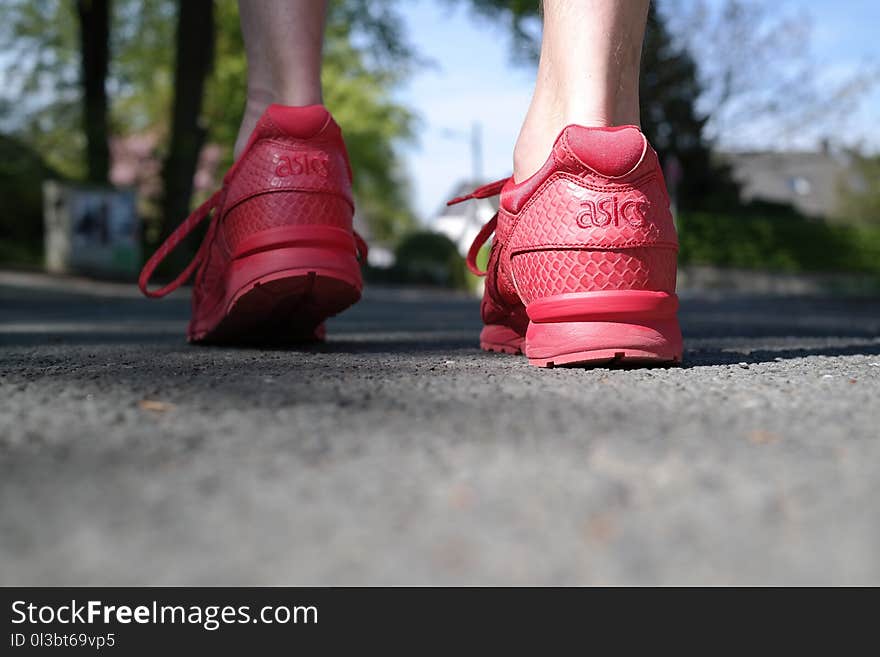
(22, 173)
(786, 242)
(429, 258)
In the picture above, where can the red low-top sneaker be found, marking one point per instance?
(279, 255)
(583, 262)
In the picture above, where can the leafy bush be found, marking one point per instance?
(430, 258)
(22, 172)
(860, 190)
(777, 241)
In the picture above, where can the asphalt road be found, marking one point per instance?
(398, 453)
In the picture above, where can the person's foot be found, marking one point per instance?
(583, 263)
(280, 255)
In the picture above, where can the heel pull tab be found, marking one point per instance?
(610, 152)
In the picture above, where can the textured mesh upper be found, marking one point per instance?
(542, 274)
(283, 209)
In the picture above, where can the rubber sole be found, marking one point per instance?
(282, 295)
(629, 327)
(598, 357)
(573, 344)
(501, 339)
(288, 309)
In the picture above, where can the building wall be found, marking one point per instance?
(808, 181)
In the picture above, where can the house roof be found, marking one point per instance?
(807, 180)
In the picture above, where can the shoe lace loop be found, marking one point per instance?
(486, 191)
(362, 249)
(206, 209)
(174, 239)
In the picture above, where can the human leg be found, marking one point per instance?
(283, 42)
(588, 73)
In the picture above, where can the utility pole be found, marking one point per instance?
(476, 171)
(477, 152)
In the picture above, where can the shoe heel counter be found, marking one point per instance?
(588, 232)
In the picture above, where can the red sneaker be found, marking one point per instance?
(280, 255)
(583, 263)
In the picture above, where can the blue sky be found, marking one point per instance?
(473, 79)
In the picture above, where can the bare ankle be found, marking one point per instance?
(588, 74)
(253, 110)
(539, 133)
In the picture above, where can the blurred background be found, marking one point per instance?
(397, 453)
(118, 116)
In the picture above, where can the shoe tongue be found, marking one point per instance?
(299, 122)
(609, 151)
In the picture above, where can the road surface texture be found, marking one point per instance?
(398, 453)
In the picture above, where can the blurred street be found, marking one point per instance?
(398, 453)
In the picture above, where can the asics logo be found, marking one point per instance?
(316, 164)
(611, 211)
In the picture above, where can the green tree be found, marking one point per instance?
(41, 98)
(367, 55)
(860, 191)
(21, 207)
(94, 39)
(669, 89)
(193, 62)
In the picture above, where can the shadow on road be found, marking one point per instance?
(718, 330)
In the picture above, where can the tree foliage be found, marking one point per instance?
(520, 16)
(669, 89)
(860, 193)
(22, 172)
(367, 56)
(40, 92)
